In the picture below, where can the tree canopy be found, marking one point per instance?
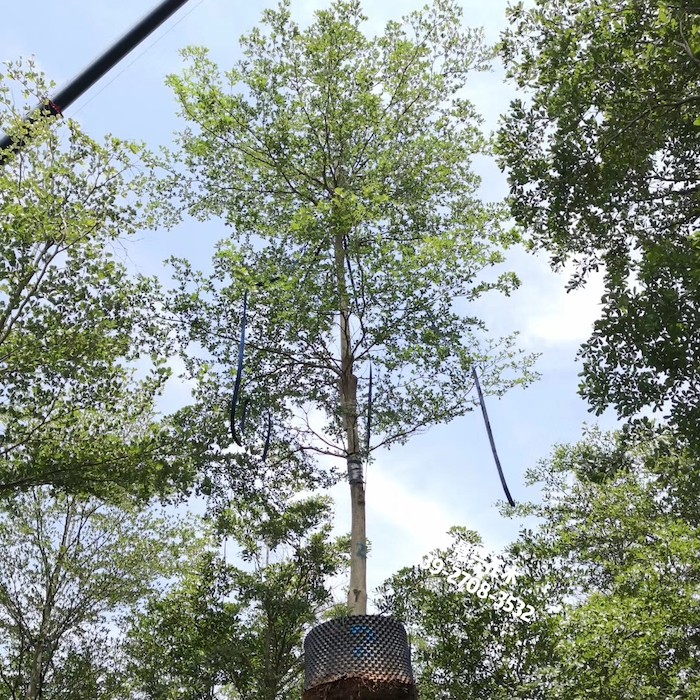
(611, 568)
(602, 155)
(341, 162)
(70, 567)
(74, 323)
(239, 629)
(342, 165)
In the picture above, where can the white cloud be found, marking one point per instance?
(563, 317)
(554, 316)
(422, 524)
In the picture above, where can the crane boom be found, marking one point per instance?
(83, 82)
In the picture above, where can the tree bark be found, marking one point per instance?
(357, 594)
(46, 641)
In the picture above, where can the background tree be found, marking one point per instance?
(73, 322)
(602, 153)
(69, 568)
(236, 632)
(611, 569)
(462, 646)
(342, 165)
(627, 544)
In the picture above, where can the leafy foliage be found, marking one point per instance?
(612, 570)
(69, 568)
(341, 164)
(73, 323)
(602, 154)
(628, 546)
(238, 631)
(463, 647)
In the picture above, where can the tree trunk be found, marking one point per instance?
(357, 594)
(45, 646)
(37, 672)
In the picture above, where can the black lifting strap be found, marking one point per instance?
(491, 440)
(239, 375)
(368, 430)
(237, 390)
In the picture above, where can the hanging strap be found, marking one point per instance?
(239, 375)
(491, 440)
(368, 429)
(237, 390)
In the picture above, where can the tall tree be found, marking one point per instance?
(73, 322)
(227, 631)
(602, 153)
(341, 162)
(69, 568)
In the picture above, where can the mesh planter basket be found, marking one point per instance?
(368, 647)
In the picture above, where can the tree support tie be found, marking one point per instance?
(355, 469)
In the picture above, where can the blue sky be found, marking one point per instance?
(446, 476)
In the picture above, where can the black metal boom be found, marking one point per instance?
(97, 69)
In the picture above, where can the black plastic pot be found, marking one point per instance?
(361, 657)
